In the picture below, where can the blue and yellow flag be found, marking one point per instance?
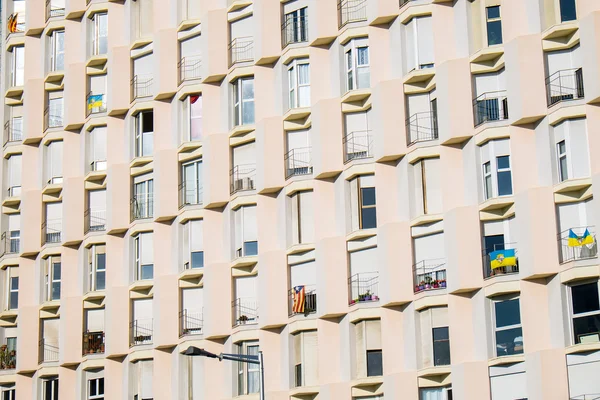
(95, 101)
(576, 241)
(503, 258)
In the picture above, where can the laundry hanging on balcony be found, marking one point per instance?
(503, 258)
(576, 241)
(299, 299)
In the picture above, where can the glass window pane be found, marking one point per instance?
(504, 183)
(494, 32)
(250, 248)
(93, 388)
(503, 162)
(567, 10)
(374, 363)
(248, 112)
(14, 300)
(55, 290)
(493, 12)
(509, 342)
(101, 386)
(368, 196)
(100, 280)
(198, 259)
(587, 329)
(248, 89)
(441, 346)
(362, 56)
(507, 313)
(147, 271)
(369, 218)
(585, 298)
(14, 283)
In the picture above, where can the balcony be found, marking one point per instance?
(577, 244)
(142, 206)
(244, 311)
(95, 104)
(93, 343)
(13, 132)
(141, 86)
(501, 260)
(421, 127)
(358, 145)
(10, 242)
(298, 162)
(305, 304)
(190, 193)
(363, 287)
(564, 85)
(13, 191)
(52, 119)
(189, 68)
(8, 355)
(490, 107)
(47, 352)
(241, 50)
(241, 178)
(351, 11)
(94, 220)
(294, 30)
(54, 9)
(190, 323)
(140, 332)
(429, 275)
(51, 231)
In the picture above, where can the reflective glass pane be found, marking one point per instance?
(507, 313)
(100, 280)
(250, 248)
(248, 112)
(198, 259)
(369, 218)
(509, 342)
(587, 329)
(567, 10)
(585, 298)
(503, 162)
(494, 32)
(374, 363)
(368, 196)
(147, 271)
(493, 12)
(504, 183)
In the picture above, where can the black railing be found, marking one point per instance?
(498, 269)
(13, 133)
(351, 11)
(93, 343)
(294, 30)
(94, 220)
(95, 104)
(140, 332)
(298, 162)
(52, 119)
(588, 396)
(421, 127)
(565, 85)
(241, 178)
(429, 274)
(53, 11)
(244, 311)
(142, 206)
(404, 2)
(8, 356)
(190, 68)
(141, 86)
(579, 247)
(190, 193)
(10, 244)
(51, 231)
(310, 301)
(241, 50)
(363, 287)
(358, 145)
(47, 352)
(490, 106)
(190, 323)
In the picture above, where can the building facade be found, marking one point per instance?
(388, 199)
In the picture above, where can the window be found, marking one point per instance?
(96, 95)
(363, 202)
(441, 346)
(191, 320)
(144, 379)
(55, 110)
(299, 83)
(305, 359)
(248, 375)
(96, 389)
(508, 331)
(9, 394)
(419, 43)
(13, 244)
(143, 197)
(18, 66)
(436, 393)
(243, 101)
(427, 183)
(369, 361)
(358, 74)
(95, 215)
(52, 278)
(246, 239)
(504, 176)
(57, 51)
(572, 157)
(14, 175)
(585, 310)
(142, 324)
(144, 132)
(192, 118)
(52, 226)
(191, 185)
(561, 150)
(568, 11)
(295, 26)
(190, 53)
(494, 25)
(97, 267)
(243, 172)
(302, 217)
(496, 169)
(99, 34)
(97, 149)
(487, 180)
(144, 256)
(50, 389)
(16, 126)
(13, 288)
(193, 247)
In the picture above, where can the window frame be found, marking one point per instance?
(93, 270)
(97, 396)
(50, 278)
(361, 206)
(197, 167)
(138, 273)
(243, 370)
(351, 62)
(294, 86)
(9, 393)
(434, 341)
(242, 252)
(239, 103)
(96, 29)
(572, 314)
(18, 58)
(145, 189)
(54, 104)
(188, 258)
(501, 170)
(53, 382)
(489, 20)
(141, 137)
(495, 329)
(55, 51)
(299, 26)
(563, 170)
(11, 289)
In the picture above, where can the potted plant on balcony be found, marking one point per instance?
(421, 286)
(428, 281)
(436, 284)
(368, 295)
(3, 357)
(442, 283)
(243, 319)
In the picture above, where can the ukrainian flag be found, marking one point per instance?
(576, 241)
(503, 258)
(95, 101)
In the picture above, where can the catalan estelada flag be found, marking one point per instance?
(12, 23)
(299, 299)
(95, 101)
(503, 258)
(576, 241)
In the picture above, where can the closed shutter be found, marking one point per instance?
(142, 66)
(147, 248)
(237, 217)
(146, 380)
(298, 139)
(297, 338)
(54, 211)
(95, 320)
(373, 332)
(363, 261)
(98, 85)
(433, 183)
(361, 353)
(295, 218)
(98, 142)
(429, 247)
(197, 235)
(245, 154)
(97, 200)
(191, 47)
(303, 274)
(192, 300)
(142, 309)
(583, 372)
(51, 329)
(245, 288)
(250, 234)
(571, 215)
(425, 40)
(310, 359)
(486, 83)
(307, 228)
(241, 28)
(579, 149)
(14, 222)
(185, 243)
(411, 44)
(14, 169)
(354, 204)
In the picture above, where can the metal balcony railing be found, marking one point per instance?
(190, 193)
(94, 220)
(52, 119)
(580, 247)
(93, 343)
(142, 206)
(51, 231)
(11, 243)
(54, 10)
(310, 301)
(564, 85)
(298, 162)
(190, 323)
(241, 178)
(404, 2)
(141, 86)
(421, 127)
(189, 68)
(14, 191)
(140, 332)
(358, 145)
(13, 132)
(363, 287)
(98, 165)
(490, 106)
(95, 104)
(241, 50)
(489, 272)
(8, 357)
(47, 352)
(294, 30)
(244, 311)
(589, 396)
(351, 11)
(429, 274)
